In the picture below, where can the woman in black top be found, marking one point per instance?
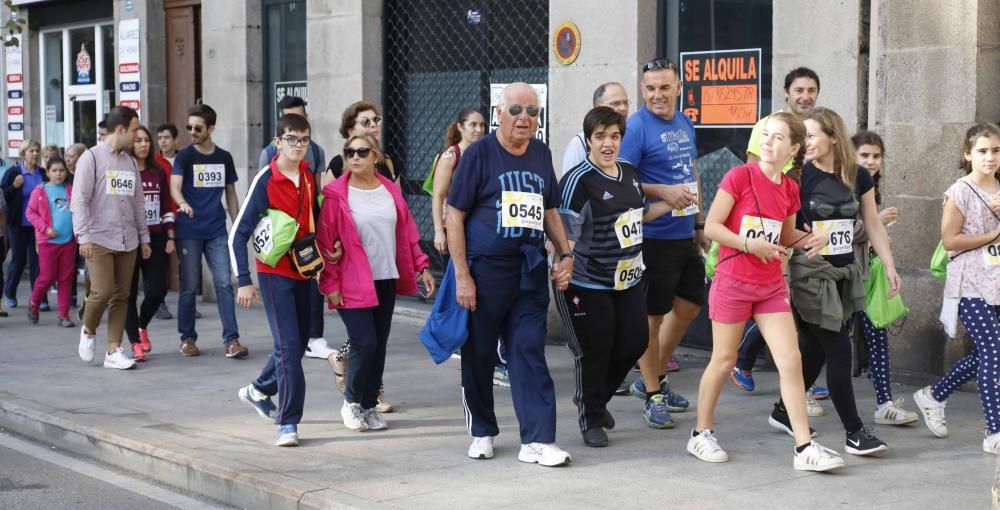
(359, 119)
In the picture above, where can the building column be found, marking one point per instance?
(152, 68)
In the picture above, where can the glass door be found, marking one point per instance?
(77, 85)
(83, 119)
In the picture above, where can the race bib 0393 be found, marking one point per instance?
(841, 234)
(209, 176)
(628, 228)
(521, 209)
(119, 183)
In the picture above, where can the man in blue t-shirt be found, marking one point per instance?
(501, 204)
(660, 143)
(201, 173)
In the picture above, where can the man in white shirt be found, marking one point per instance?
(611, 94)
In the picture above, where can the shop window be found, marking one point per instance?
(52, 84)
(284, 56)
(81, 46)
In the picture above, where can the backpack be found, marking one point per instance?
(272, 150)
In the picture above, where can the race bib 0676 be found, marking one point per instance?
(209, 176)
(520, 209)
(841, 234)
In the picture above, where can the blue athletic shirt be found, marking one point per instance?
(62, 218)
(498, 191)
(205, 180)
(663, 151)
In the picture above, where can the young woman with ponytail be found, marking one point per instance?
(468, 127)
(753, 219)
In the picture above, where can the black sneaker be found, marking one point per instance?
(864, 442)
(779, 420)
(163, 313)
(609, 421)
(595, 437)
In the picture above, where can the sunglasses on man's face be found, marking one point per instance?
(361, 152)
(195, 129)
(516, 109)
(658, 63)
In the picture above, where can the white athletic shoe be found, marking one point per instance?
(817, 457)
(118, 360)
(892, 413)
(374, 420)
(932, 410)
(991, 444)
(87, 343)
(813, 408)
(481, 448)
(545, 454)
(318, 348)
(354, 417)
(706, 447)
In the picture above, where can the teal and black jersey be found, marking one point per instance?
(603, 216)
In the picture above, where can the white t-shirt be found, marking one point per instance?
(575, 153)
(374, 214)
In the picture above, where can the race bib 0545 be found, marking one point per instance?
(520, 209)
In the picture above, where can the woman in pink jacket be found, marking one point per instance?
(381, 257)
(48, 211)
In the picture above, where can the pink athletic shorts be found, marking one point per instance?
(734, 301)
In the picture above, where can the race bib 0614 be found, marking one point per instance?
(693, 208)
(628, 228)
(520, 209)
(841, 234)
(119, 183)
(753, 227)
(209, 176)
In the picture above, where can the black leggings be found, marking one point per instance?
(155, 274)
(820, 346)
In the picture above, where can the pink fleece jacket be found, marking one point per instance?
(38, 212)
(352, 276)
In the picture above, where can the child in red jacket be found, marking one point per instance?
(48, 211)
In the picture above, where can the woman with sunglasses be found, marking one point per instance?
(381, 257)
(753, 220)
(826, 291)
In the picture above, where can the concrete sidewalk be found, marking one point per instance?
(178, 420)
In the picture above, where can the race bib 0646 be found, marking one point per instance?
(628, 272)
(520, 209)
(841, 234)
(119, 183)
(209, 176)
(628, 228)
(753, 227)
(693, 208)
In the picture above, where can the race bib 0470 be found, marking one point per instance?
(119, 183)
(841, 234)
(693, 208)
(520, 209)
(753, 227)
(209, 176)
(628, 228)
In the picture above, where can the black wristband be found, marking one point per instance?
(567, 255)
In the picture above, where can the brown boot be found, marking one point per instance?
(188, 348)
(235, 350)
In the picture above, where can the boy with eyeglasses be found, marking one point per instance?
(202, 172)
(287, 184)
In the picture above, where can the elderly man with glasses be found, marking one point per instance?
(611, 94)
(501, 205)
(202, 172)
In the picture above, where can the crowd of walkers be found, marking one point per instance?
(620, 238)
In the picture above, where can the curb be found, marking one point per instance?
(226, 481)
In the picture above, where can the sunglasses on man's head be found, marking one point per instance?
(658, 63)
(196, 129)
(362, 152)
(515, 109)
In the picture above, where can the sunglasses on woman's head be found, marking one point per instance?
(362, 152)
(515, 109)
(369, 122)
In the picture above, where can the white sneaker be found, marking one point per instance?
(317, 348)
(706, 447)
(932, 410)
(118, 360)
(382, 405)
(354, 417)
(991, 444)
(892, 413)
(545, 454)
(817, 457)
(87, 343)
(374, 420)
(813, 408)
(481, 448)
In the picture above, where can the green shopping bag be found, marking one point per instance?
(273, 236)
(939, 262)
(712, 260)
(428, 185)
(882, 311)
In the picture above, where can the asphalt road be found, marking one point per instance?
(34, 476)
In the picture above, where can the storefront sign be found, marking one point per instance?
(289, 88)
(15, 99)
(721, 89)
(496, 89)
(566, 43)
(129, 56)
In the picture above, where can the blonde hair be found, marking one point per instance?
(372, 144)
(27, 145)
(845, 159)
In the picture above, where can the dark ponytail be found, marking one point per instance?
(871, 138)
(453, 136)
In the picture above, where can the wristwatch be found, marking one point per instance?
(567, 255)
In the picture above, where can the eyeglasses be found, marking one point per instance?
(362, 153)
(618, 104)
(515, 109)
(658, 63)
(824, 210)
(369, 122)
(195, 129)
(296, 141)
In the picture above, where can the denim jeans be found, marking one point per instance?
(216, 253)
